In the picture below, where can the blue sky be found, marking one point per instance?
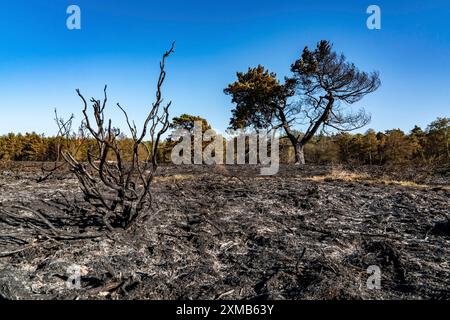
(120, 44)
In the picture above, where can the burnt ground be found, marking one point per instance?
(228, 233)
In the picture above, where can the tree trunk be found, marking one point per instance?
(447, 143)
(299, 154)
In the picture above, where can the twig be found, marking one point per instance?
(227, 293)
(10, 253)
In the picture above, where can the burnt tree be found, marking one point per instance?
(118, 190)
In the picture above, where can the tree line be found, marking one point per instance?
(430, 145)
(392, 147)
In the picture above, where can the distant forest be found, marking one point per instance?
(393, 147)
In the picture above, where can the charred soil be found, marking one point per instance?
(228, 233)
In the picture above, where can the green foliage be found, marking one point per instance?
(186, 121)
(438, 144)
(257, 94)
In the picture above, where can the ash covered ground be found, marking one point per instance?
(229, 233)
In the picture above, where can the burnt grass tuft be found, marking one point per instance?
(228, 233)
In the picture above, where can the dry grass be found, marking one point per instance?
(174, 178)
(339, 174)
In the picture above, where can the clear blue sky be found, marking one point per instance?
(120, 43)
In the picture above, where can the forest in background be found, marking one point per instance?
(393, 147)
